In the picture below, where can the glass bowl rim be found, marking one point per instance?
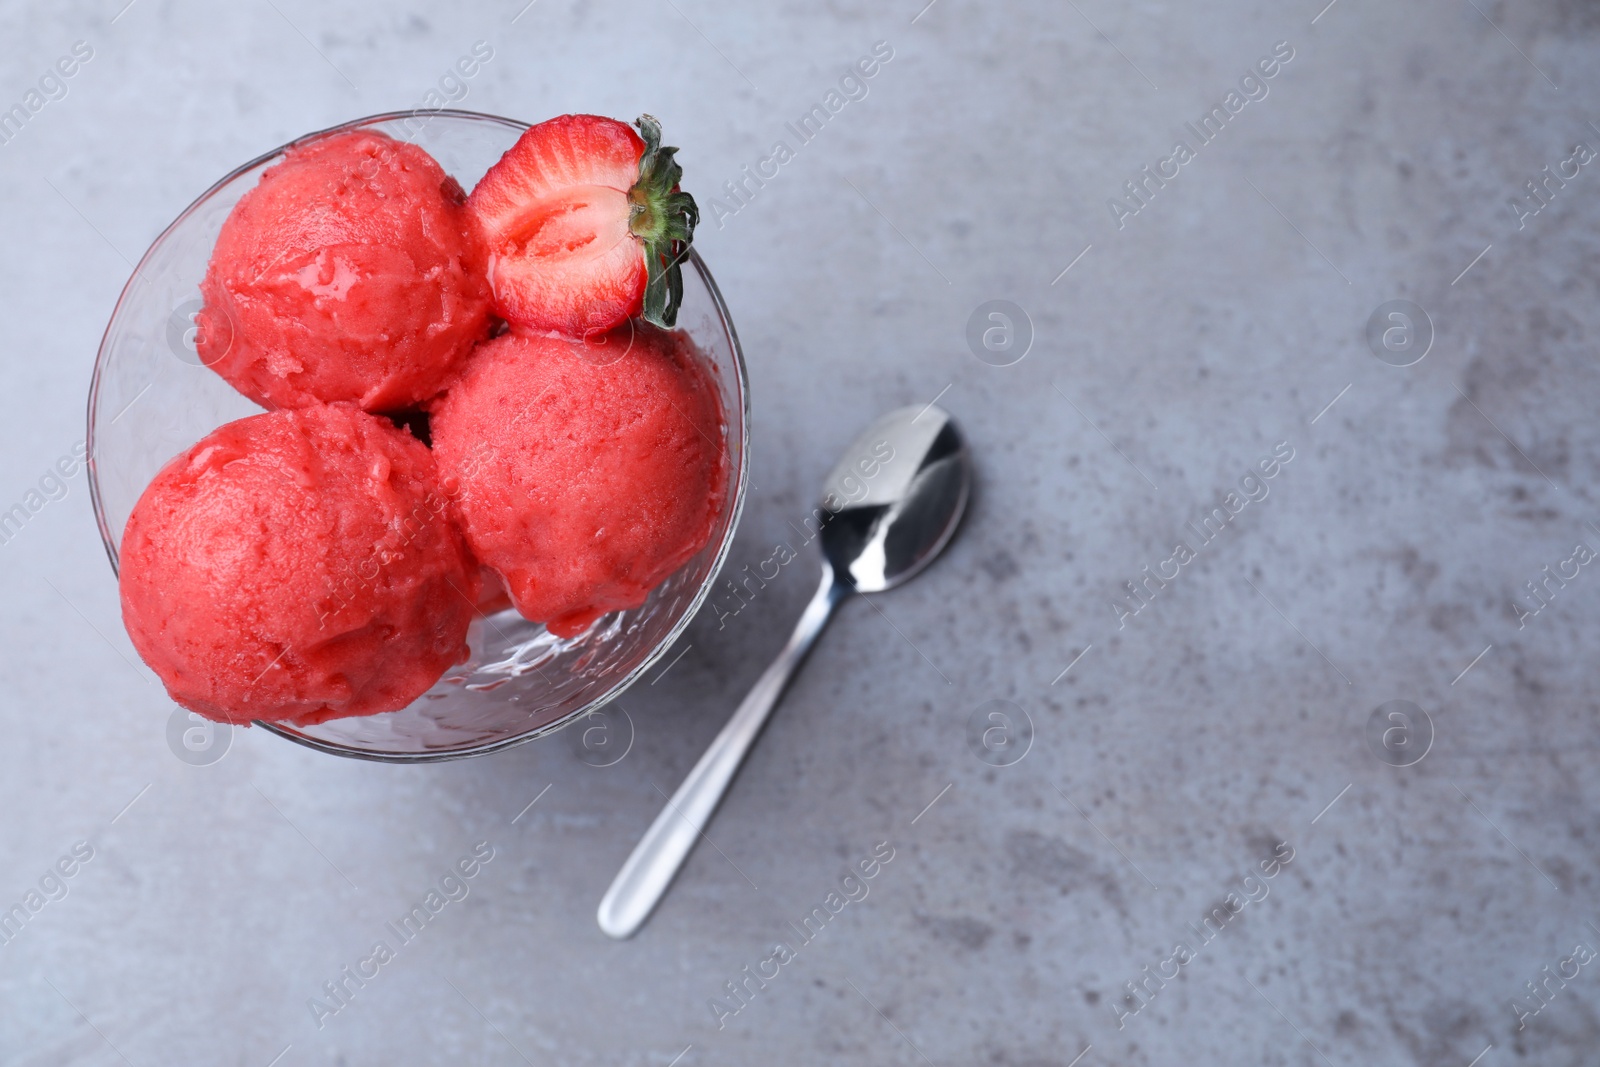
(742, 381)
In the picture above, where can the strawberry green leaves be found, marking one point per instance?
(663, 217)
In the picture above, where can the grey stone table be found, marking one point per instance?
(1220, 845)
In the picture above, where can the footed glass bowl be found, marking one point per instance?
(151, 398)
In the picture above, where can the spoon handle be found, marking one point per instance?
(644, 878)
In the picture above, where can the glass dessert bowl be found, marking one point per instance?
(151, 398)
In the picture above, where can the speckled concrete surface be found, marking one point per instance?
(1225, 725)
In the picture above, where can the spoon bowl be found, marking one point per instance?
(894, 501)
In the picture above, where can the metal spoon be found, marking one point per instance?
(888, 508)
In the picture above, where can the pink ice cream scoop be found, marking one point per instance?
(583, 472)
(351, 272)
(297, 566)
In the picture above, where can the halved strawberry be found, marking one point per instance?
(586, 225)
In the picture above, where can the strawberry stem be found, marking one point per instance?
(663, 217)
